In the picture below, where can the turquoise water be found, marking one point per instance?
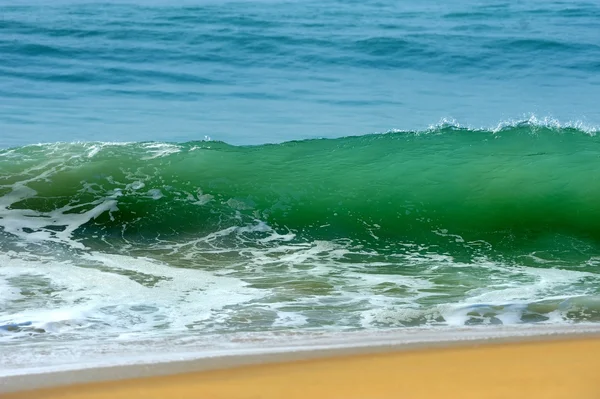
(179, 171)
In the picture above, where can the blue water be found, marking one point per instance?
(251, 72)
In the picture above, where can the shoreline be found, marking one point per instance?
(378, 346)
(559, 368)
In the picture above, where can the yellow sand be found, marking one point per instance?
(544, 369)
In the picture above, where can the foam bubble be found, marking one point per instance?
(114, 294)
(159, 150)
(529, 119)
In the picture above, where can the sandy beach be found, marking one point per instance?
(559, 367)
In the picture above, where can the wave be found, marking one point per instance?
(505, 186)
(440, 228)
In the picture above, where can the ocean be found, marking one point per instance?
(193, 176)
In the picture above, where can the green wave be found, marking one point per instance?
(450, 184)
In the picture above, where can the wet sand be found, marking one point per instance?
(550, 368)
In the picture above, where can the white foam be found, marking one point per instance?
(135, 302)
(109, 295)
(67, 357)
(508, 299)
(529, 119)
(155, 194)
(32, 226)
(159, 150)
